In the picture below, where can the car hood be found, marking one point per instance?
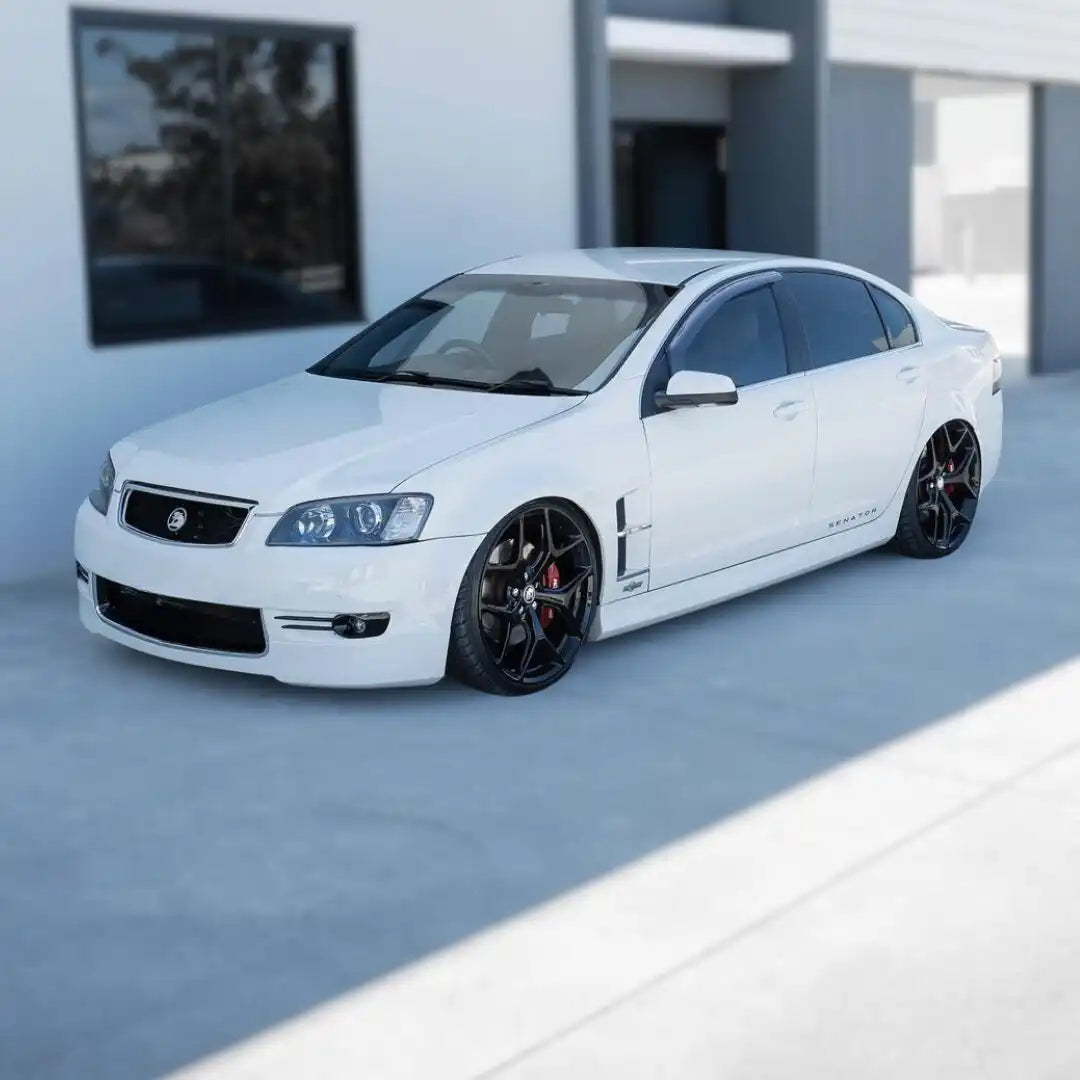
(311, 437)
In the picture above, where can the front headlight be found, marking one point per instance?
(100, 496)
(359, 520)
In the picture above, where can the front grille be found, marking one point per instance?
(190, 623)
(183, 517)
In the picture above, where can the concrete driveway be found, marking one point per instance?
(188, 858)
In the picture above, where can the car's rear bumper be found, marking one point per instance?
(415, 584)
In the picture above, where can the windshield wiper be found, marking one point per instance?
(518, 385)
(514, 385)
(422, 378)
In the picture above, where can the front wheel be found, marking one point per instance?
(943, 495)
(526, 602)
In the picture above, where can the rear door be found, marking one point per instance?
(869, 390)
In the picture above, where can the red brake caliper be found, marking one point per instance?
(550, 580)
(949, 468)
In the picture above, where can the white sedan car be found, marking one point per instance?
(537, 453)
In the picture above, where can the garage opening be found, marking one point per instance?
(670, 185)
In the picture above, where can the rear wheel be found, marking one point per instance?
(943, 495)
(526, 602)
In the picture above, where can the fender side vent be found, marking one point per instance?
(620, 525)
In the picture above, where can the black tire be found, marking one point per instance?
(503, 638)
(942, 495)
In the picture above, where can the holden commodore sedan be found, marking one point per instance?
(539, 453)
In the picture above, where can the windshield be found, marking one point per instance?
(504, 333)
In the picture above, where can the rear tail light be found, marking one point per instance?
(997, 373)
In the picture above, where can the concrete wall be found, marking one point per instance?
(705, 11)
(776, 140)
(1013, 38)
(868, 174)
(592, 77)
(466, 153)
(669, 93)
(1055, 227)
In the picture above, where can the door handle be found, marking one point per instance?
(909, 374)
(788, 410)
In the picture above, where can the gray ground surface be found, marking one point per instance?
(187, 857)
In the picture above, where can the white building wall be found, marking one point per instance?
(1020, 39)
(465, 115)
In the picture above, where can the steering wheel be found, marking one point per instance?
(469, 346)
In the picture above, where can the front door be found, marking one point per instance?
(731, 483)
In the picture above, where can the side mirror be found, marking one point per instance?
(686, 389)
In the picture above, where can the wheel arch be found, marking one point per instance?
(956, 407)
(594, 535)
(557, 500)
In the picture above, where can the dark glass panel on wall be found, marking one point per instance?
(217, 170)
(287, 173)
(153, 176)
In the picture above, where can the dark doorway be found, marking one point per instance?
(670, 186)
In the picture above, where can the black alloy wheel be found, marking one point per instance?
(527, 601)
(943, 495)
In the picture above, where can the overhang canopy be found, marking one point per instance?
(666, 42)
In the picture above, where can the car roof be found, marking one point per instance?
(659, 266)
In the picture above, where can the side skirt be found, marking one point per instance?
(701, 592)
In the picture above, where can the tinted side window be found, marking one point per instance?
(741, 339)
(896, 318)
(840, 318)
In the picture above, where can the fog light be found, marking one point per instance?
(349, 626)
(360, 626)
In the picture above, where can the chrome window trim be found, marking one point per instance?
(869, 286)
(885, 354)
(200, 496)
(168, 644)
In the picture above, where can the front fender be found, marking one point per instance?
(590, 457)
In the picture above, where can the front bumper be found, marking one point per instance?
(416, 584)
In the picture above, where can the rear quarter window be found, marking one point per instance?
(897, 319)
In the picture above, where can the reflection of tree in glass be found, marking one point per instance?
(287, 153)
(166, 197)
(284, 150)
